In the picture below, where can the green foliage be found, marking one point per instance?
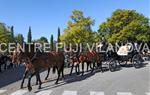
(96, 37)
(29, 36)
(19, 39)
(12, 33)
(58, 39)
(79, 29)
(125, 25)
(52, 43)
(41, 40)
(5, 34)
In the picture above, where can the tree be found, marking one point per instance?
(42, 40)
(78, 29)
(12, 33)
(125, 25)
(19, 39)
(52, 42)
(58, 39)
(5, 33)
(29, 36)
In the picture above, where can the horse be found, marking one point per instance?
(88, 57)
(2, 62)
(28, 67)
(40, 60)
(74, 62)
(4, 59)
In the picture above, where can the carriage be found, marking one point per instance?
(123, 56)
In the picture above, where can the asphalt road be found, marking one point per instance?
(126, 81)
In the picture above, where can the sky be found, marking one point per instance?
(45, 16)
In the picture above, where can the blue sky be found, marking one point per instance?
(45, 16)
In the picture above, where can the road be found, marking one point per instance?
(126, 81)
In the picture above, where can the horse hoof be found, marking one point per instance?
(29, 89)
(56, 82)
(46, 78)
(39, 87)
(78, 73)
(21, 87)
(36, 83)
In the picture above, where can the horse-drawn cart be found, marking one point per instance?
(122, 57)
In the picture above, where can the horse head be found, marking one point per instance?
(19, 56)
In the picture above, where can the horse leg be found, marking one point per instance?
(24, 76)
(87, 69)
(62, 73)
(91, 65)
(29, 81)
(77, 69)
(82, 68)
(47, 73)
(95, 65)
(101, 67)
(62, 69)
(92, 68)
(71, 69)
(59, 71)
(39, 79)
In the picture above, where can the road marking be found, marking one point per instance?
(70, 93)
(19, 92)
(46, 92)
(96, 93)
(2, 91)
(124, 93)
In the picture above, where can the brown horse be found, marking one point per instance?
(39, 60)
(74, 62)
(90, 58)
(28, 66)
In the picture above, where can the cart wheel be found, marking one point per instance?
(112, 65)
(136, 61)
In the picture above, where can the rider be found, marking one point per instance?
(102, 43)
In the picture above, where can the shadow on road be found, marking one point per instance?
(68, 79)
(10, 76)
(75, 78)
